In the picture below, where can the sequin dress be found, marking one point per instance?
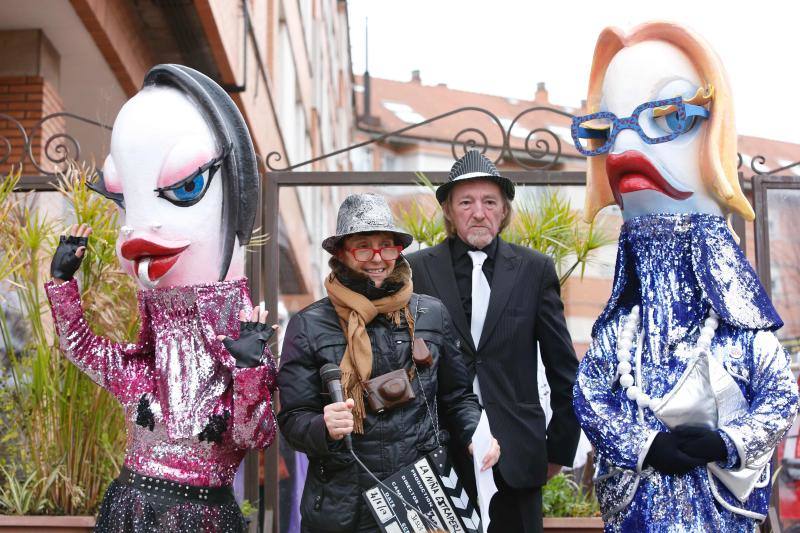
(676, 267)
(190, 413)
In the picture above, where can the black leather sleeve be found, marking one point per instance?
(300, 417)
(459, 404)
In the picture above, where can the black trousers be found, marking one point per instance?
(517, 510)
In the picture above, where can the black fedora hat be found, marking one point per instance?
(474, 165)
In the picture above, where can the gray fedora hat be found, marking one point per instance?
(361, 213)
(474, 165)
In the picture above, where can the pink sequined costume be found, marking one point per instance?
(181, 377)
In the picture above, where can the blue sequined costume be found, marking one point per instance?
(676, 267)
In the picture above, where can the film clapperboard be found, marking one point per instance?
(432, 486)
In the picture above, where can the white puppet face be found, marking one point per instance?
(165, 162)
(654, 178)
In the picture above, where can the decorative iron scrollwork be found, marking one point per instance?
(7, 142)
(57, 149)
(466, 143)
(761, 160)
(467, 138)
(542, 148)
(64, 142)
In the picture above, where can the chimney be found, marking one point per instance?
(541, 94)
(367, 118)
(415, 76)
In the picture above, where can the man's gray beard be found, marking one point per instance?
(479, 241)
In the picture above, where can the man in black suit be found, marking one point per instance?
(504, 299)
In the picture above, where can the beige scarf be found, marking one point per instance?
(355, 311)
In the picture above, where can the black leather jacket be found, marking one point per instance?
(332, 498)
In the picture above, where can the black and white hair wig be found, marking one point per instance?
(239, 169)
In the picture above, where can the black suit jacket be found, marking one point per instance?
(525, 307)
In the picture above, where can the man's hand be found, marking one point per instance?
(339, 419)
(253, 336)
(69, 253)
(553, 470)
(491, 457)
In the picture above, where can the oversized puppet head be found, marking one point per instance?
(660, 136)
(183, 170)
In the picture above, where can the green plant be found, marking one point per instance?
(551, 226)
(64, 423)
(25, 496)
(247, 508)
(425, 224)
(562, 496)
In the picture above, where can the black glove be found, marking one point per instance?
(249, 347)
(65, 263)
(665, 456)
(701, 443)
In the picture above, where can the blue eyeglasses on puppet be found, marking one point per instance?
(655, 122)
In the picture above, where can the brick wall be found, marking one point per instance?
(28, 99)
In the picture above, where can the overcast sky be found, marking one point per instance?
(505, 47)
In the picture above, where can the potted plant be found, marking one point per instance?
(568, 506)
(66, 435)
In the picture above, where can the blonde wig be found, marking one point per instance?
(718, 149)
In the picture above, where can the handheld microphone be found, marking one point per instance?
(331, 376)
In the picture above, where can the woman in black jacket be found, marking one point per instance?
(367, 326)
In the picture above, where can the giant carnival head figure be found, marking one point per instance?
(183, 170)
(660, 136)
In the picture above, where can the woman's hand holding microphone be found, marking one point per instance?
(338, 418)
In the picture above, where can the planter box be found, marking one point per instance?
(573, 525)
(56, 524)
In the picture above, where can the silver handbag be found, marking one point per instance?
(707, 396)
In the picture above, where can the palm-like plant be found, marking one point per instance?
(424, 223)
(69, 432)
(550, 225)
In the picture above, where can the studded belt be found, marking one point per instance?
(166, 489)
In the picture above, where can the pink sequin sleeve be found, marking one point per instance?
(254, 424)
(124, 369)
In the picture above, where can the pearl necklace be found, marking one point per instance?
(625, 346)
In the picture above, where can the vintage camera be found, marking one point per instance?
(388, 391)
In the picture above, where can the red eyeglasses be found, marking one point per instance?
(387, 253)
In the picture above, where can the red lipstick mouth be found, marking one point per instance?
(631, 171)
(158, 258)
